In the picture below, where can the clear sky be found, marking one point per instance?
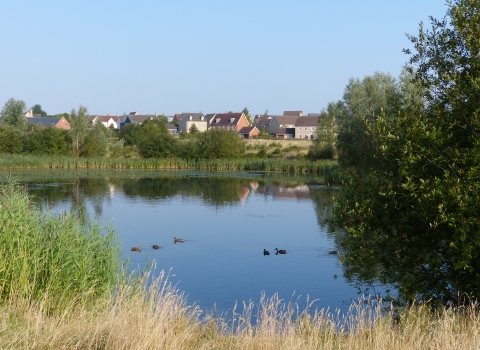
(211, 56)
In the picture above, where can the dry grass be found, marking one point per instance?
(159, 318)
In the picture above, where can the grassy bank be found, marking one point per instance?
(296, 166)
(61, 288)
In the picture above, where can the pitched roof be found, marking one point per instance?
(307, 121)
(285, 131)
(246, 129)
(297, 113)
(195, 116)
(289, 119)
(141, 118)
(263, 122)
(171, 127)
(43, 121)
(226, 119)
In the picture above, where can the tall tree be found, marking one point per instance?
(79, 125)
(247, 115)
(37, 109)
(412, 216)
(13, 113)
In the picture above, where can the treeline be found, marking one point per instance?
(410, 156)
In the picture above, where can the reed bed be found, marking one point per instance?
(296, 166)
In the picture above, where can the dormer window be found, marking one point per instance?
(201, 118)
(190, 118)
(232, 120)
(218, 120)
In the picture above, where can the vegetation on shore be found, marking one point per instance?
(327, 169)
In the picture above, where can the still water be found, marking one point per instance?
(226, 220)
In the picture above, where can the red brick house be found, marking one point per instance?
(248, 132)
(229, 121)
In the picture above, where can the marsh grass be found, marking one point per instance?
(52, 258)
(294, 166)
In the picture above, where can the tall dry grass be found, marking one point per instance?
(158, 317)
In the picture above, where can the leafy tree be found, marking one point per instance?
(37, 109)
(79, 125)
(130, 134)
(50, 140)
(10, 139)
(155, 141)
(323, 145)
(412, 216)
(95, 142)
(266, 113)
(13, 113)
(163, 119)
(218, 143)
(193, 129)
(247, 115)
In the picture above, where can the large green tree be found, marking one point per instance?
(79, 125)
(13, 113)
(37, 109)
(410, 206)
(155, 141)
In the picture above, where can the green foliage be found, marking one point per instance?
(79, 125)
(193, 129)
(410, 206)
(37, 109)
(10, 139)
(95, 143)
(50, 140)
(220, 144)
(13, 113)
(155, 140)
(57, 260)
(130, 134)
(247, 115)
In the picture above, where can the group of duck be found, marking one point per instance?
(283, 251)
(278, 251)
(155, 246)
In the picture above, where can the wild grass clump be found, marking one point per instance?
(55, 259)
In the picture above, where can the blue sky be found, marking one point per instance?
(211, 56)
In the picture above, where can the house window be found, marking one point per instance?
(313, 128)
(201, 118)
(190, 118)
(299, 136)
(306, 137)
(305, 128)
(299, 128)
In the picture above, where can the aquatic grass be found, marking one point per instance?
(54, 258)
(296, 166)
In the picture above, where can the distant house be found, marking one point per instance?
(262, 123)
(60, 123)
(305, 127)
(293, 113)
(188, 119)
(176, 117)
(283, 122)
(249, 132)
(136, 118)
(228, 121)
(106, 120)
(172, 128)
(30, 114)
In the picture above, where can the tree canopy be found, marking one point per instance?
(13, 113)
(410, 200)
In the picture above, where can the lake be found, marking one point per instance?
(226, 220)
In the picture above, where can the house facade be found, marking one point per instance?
(248, 132)
(229, 121)
(306, 127)
(283, 122)
(189, 119)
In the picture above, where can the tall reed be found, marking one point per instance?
(53, 258)
(294, 166)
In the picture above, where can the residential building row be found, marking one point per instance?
(290, 125)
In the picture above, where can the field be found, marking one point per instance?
(276, 147)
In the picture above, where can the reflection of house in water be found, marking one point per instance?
(300, 192)
(247, 190)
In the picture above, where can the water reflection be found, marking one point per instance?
(227, 222)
